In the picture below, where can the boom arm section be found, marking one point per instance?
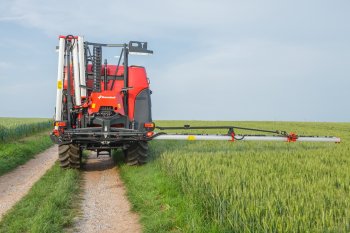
(232, 136)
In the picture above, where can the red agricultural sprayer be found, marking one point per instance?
(101, 107)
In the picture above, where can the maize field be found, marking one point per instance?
(14, 128)
(264, 186)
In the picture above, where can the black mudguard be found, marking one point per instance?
(142, 111)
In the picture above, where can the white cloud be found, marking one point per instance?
(5, 70)
(136, 18)
(247, 80)
(5, 65)
(11, 18)
(213, 59)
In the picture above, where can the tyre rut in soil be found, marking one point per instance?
(137, 153)
(69, 156)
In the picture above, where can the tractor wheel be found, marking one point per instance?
(69, 156)
(137, 153)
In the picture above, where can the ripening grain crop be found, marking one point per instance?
(265, 186)
(14, 128)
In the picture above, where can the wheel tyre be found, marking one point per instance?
(69, 156)
(137, 153)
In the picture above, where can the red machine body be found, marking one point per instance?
(114, 96)
(100, 106)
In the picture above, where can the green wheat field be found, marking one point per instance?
(15, 128)
(263, 186)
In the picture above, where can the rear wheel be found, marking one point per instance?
(137, 153)
(69, 156)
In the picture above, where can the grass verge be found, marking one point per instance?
(161, 204)
(49, 206)
(15, 153)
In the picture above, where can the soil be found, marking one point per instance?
(16, 184)
(105, 207)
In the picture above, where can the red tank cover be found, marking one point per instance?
(137, 82)
(106, 98)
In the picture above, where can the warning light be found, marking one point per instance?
(60, 123)
(149, 125)
(56, 132)
(149, 134)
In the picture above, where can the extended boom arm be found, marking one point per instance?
(232, 136)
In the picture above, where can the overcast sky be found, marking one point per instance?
(213, 60)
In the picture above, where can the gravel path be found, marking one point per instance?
(105, 207)
(16, 184)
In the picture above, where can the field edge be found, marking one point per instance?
(50, 206)
(16, 153)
